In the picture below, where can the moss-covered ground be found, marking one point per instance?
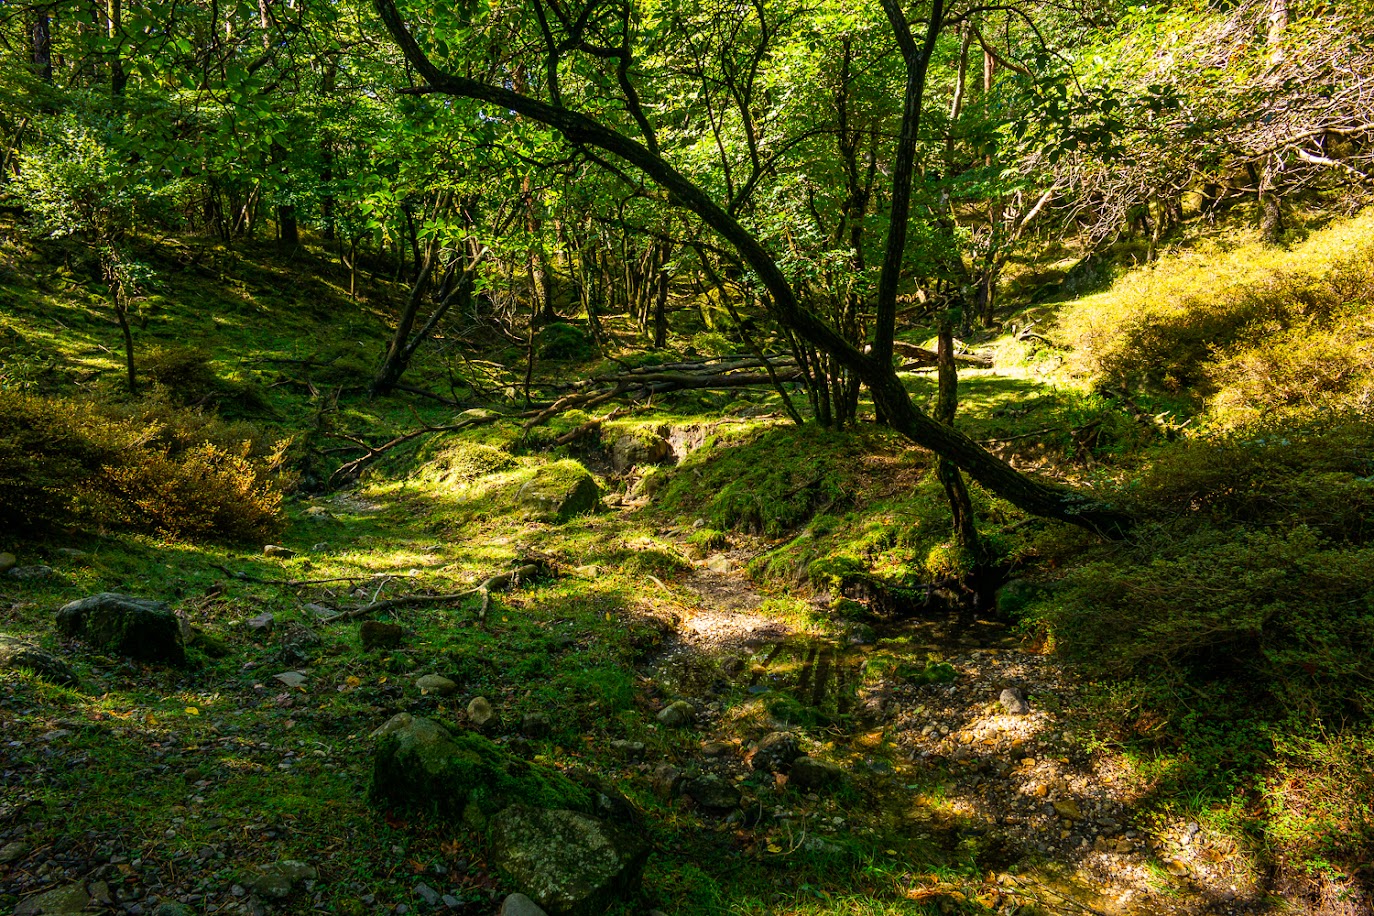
(1217, 695)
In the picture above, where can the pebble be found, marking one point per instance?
(480, 711)
(426, 893)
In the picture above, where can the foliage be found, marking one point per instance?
(151, 468)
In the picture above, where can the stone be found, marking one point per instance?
(1014, 702)
(276, 550)
(71, 553)
(139, 628)
(16, 654)
(291, 679)
(62, 901)
(677, 715)
(712, 793)
(716, 749)
(100, 893)
(666, 780)
(630, 750)
(318, 514)
(173, 909)
(570, 864)
(278, 880)
(810, 773)
(7, 562)
(1068, 809)
(298, 644)
(1176, 867)
(322, 613)
(536, 725)
(12, 852)
(520, 905)
(775, 753)
(378, 635)
(480, 713)
(421, 764)
(720, 564)
(426, 893)
(436, 684)
(561, 491)
(636, 448)
(25, 573)
(261, 624)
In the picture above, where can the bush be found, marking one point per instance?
(1160, 325)
(148, 467)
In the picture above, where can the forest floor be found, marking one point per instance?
(151, 785)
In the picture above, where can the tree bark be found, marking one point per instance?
(1037, 497)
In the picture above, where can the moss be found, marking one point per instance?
(561, 491)
(418, 763)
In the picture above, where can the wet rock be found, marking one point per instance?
(712, 793)
(1014, 702)
(278, 880)
(15, 654)
(536, 725)
(480, 712)
(810, 773)
(62, 901)
(776, 752)
(378, 635)
(436, 684)
(571, 864)
(677, 715)
(520, 905)
(7, 562)
(561, 491)
(135, 627)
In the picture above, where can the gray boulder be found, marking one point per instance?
(278, 880)
(1014, 702)
(561, 491)
(570, 864)
(15, 654)
(520, 905)
(138, 628)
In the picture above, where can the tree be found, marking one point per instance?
(571, 46)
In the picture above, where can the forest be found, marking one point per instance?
(684, 457)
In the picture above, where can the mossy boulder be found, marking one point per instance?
(560, 491)
(15, 654)
(138, 628)
(460, 462)
(635, 447)
(419, 763)
(571, 864)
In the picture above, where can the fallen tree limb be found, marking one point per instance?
(294, 583)
(350, 470)
(498, 582)
(921, 357)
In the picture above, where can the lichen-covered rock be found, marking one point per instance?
(419, 763)
(16, 654)
(571, 864)
(135, 627)
(678, 714)
(561, 491)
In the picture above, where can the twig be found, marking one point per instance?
(294, 583)
(496, 582)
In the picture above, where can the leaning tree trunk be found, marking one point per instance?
(875, 370)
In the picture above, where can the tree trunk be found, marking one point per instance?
(42, 47)
(1038, 497)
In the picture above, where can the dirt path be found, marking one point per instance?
(912, 712)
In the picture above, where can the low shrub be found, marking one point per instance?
(148, 467)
